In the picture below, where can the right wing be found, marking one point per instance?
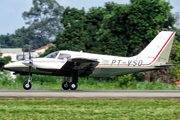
(84, 66)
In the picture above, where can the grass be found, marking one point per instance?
(54, 83)
(90, 109)
(87, 109)
(97, 85)
(57, 86)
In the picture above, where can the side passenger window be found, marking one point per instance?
(64, 57)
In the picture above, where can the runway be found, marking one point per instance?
(120, 94)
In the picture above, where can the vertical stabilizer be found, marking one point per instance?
(158, 50)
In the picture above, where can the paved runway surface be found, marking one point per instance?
(144, 94)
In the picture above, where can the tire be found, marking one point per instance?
(65, 85)
(73, 85)
(27, 86)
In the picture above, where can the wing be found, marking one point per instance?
(84, 66)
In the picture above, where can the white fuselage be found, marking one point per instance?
(153, 57)
(108, 65)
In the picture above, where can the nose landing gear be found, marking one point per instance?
(27, 85)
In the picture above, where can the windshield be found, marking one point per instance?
(52, 55)
(64, 57)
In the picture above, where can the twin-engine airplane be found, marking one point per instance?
(79, 64)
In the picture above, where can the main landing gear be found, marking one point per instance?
(72, 85)
(69, 85)
(27, 85)
(65, 85)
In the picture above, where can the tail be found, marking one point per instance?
(158, 51)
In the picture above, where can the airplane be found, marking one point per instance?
(80, 64)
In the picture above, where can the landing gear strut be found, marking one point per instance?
(73, 85)
(27, 85)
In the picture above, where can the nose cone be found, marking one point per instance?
(5, 67)
(28, 62)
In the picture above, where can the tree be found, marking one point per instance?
(94, 18)
(26, 37)
(116, 29)
(10, 41)
(177, 37)
(4, 61)
(5, 40)
(80, 30)
(129, 28)
(112, 33)
(175, 56)
(71, 39)
(44, 18)
(22, 38)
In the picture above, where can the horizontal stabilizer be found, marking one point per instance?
(166, 65)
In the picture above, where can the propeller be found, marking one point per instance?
(29, 62)
(29, 53)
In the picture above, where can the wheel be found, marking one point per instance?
(65, 85)
(73, 85)
(26, 86)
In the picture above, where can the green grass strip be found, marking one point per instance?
(89, 109)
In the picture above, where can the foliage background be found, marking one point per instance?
(115, 29)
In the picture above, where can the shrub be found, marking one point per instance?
(126, 80)
(5, 78)
(156, 85)
(41, 79)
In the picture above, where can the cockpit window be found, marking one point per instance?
(52, 55)
(64, 57)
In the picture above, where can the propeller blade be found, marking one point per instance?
(29, 70)
(29, 52)
(23, 56)
(34, 66)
